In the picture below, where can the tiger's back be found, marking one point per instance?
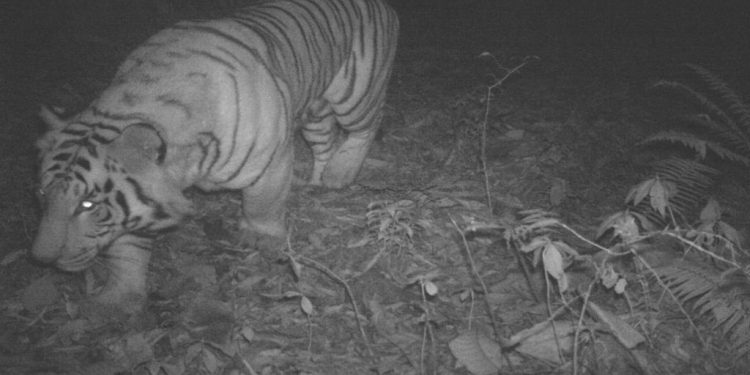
(215, 104)
(218, 76)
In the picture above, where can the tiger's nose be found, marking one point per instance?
(44, 256)
(45, 252)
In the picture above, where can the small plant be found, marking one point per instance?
(673, 196)
(392, 223)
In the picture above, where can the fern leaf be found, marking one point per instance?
(721, 123)
(698, 145)
(735, 104)
(722, 133)
(692, 182)
(686, 139)
(689, 176)
(709, 305)
(728, 154)
(731, 314)
(741, 338)
(698, 98)
(702, 286)
(687, 282)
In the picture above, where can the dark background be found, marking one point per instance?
(53, 35)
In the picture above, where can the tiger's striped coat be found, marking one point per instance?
(213, 104)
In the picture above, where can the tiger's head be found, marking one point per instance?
(97, 183)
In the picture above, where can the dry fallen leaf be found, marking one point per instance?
(543, 341)
(479, 354)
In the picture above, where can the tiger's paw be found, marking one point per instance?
(269, 246)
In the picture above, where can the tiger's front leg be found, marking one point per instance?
(125, 290)
(263, 224)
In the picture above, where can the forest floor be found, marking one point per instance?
(415, 268)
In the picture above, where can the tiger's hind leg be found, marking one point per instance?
(320, 131)
(337, 162)
(264, 204)
(348, 157)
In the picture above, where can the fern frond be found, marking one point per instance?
(693, 181)
(687, 281)
(701, 286)
(740, 338)
(700, 146)
(737, 107)
(724, 134)
(712, 110)
(732, 126)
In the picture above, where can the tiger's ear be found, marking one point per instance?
(52, 116)
(139, 147)
(54, 122)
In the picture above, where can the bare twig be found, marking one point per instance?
(328, 272)
(488, 97)
(503, 342)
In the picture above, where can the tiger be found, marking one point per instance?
(212, 104)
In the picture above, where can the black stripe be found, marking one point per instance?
(236, 124)
(213, 58)
(328, 24)
(79, 176)
(69, 143)
(271, 41)
(297, 63)
(213, 141)
(139, 194)
(62, 157)
(123, 203)
(128, 117)
(265, 168)
(231, 54)
(160, 214)
(169, 101)
(98, 138)
(212, 31)
(83, 163)
(242, 165)
(133, 222)
(108, 186)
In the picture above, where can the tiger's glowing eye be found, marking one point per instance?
(87, 205)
